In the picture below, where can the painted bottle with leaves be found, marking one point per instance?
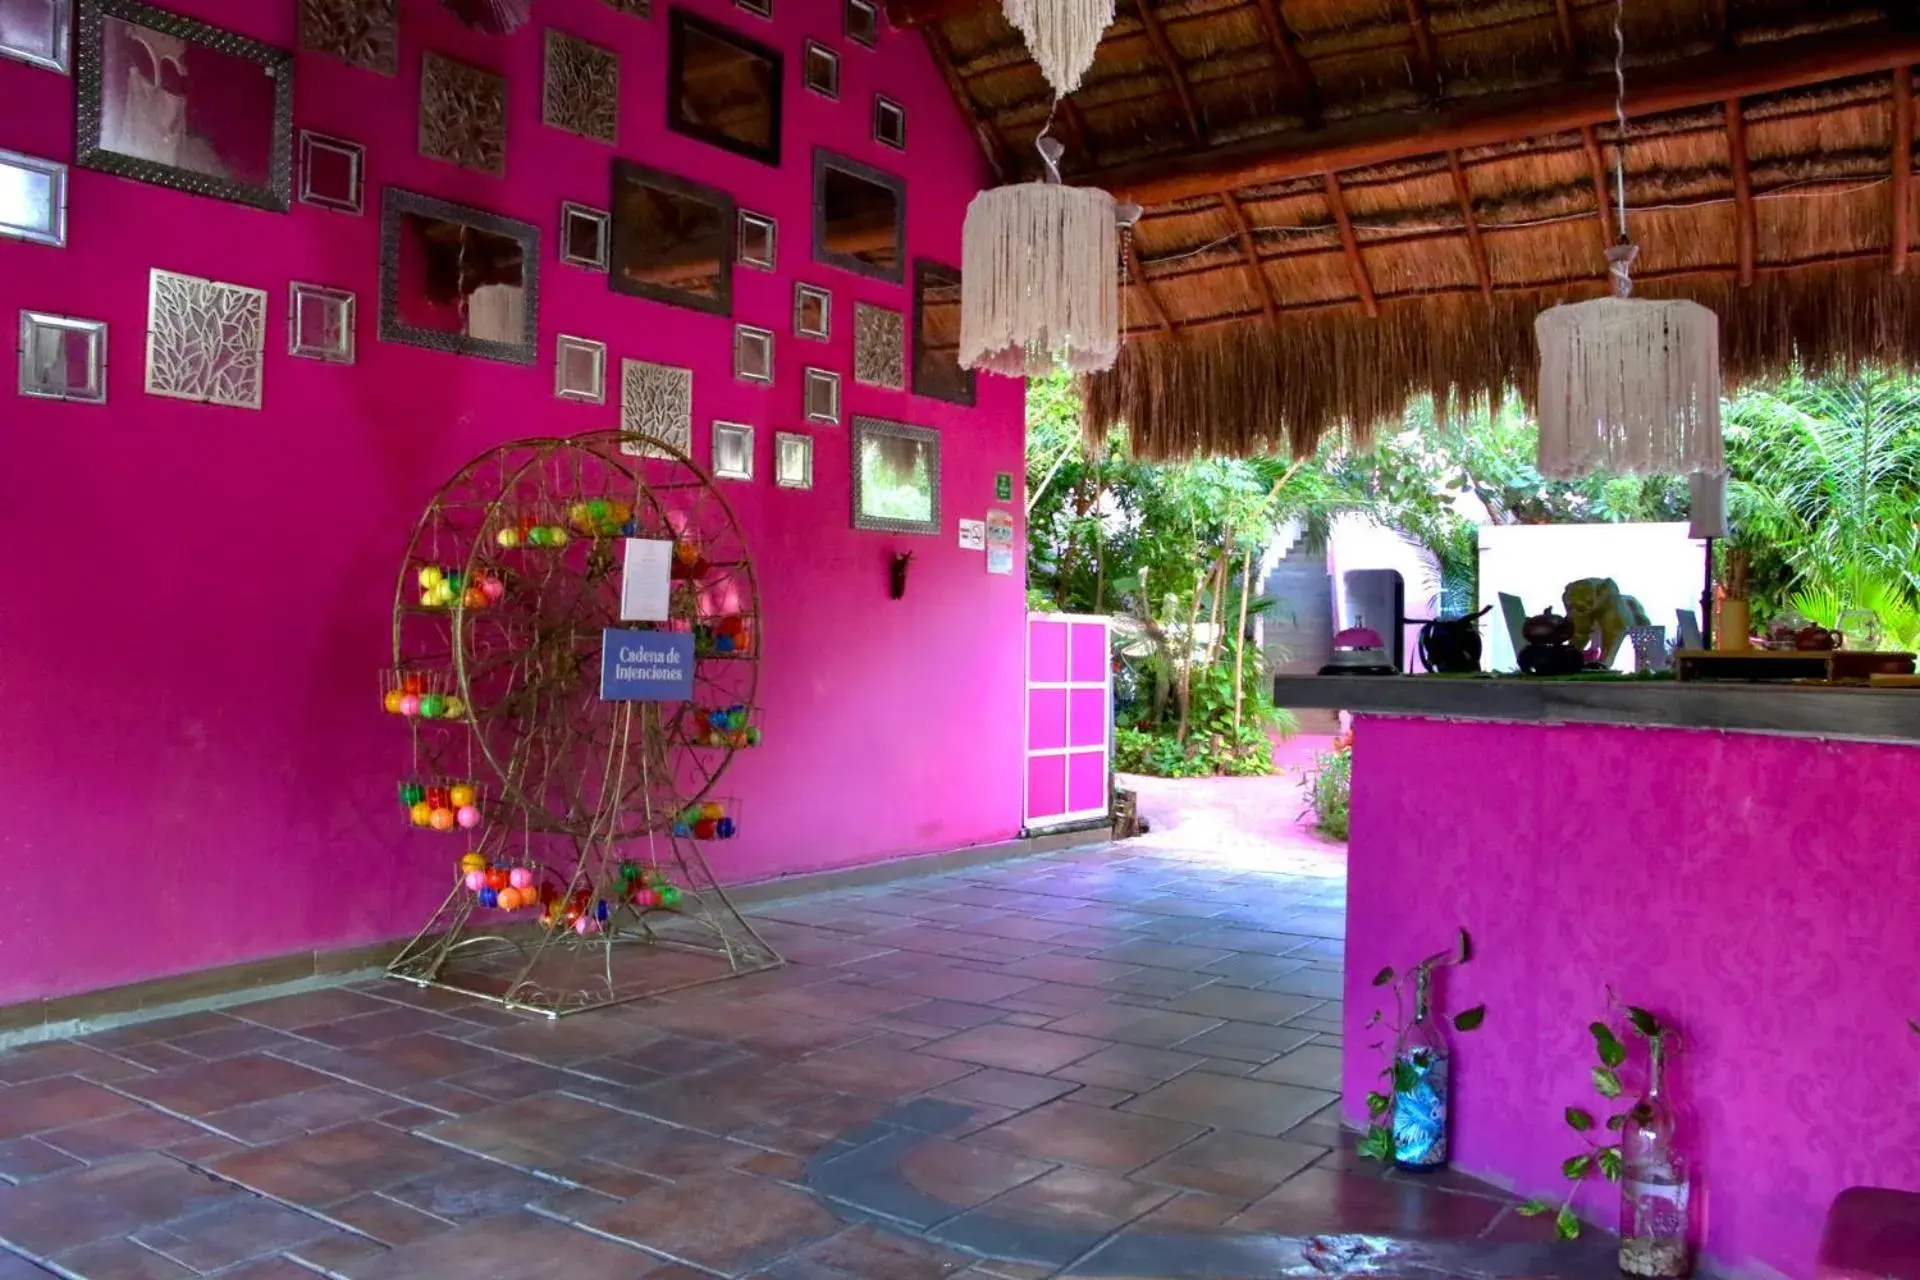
(1654, 1186)
(1420, 1086)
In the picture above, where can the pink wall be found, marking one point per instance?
(194, 768)
(1758, 893)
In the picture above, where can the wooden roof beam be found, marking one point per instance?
(1170, 63)
(1464, 193)
(1362, 282)
(1569, 38)
(1426, 65)
(1251, 253)
(1875, 48)
(1902, 167)
(1743, 221)
(992, 145)
(1287, 49)
(1603, 203)
(1137, 279)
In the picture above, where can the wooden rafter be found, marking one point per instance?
(1464, 194)
(1250, 252)
(1569, 37)
(1743, 220)
(1075, 126)
(1710, 78)
(1362, 282)
(1902, 167)
(1597, 173)
(1170, 63)
(1718, 23)
(991, 143)
(1287, 49)
(1137, 278)
(1426, 65)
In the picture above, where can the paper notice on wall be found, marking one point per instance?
(999, 540)
(999, 559)
(973, 535)
(644, 580)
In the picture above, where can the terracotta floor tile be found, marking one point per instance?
(233, 1231)
(463, 1189)
(540, 1132)
(1255, 941)
(1246, 1041)
(869, 1253)
(265, 1269)
(122, 1260)
(15, 1267)
(55, 1103)
(1053, 1000)
(389, 1023)
(1092, 1137)
(1322, 1200)
(1164, 955)
(231, 1042)
(519, 1246)
(917, 1179)
(329, 1004)
(727, 1222)
(60, 1058)
(1251, 1106)
(1313, 1065)
(1161, 984)
(1084, 971)
(121, 1135)
(388, 1221)
(667, 1152)
(967, 985)
(1322, 984)
(325, 1168)
(205, 1088)
(159, 1029)
(1237, 1165)
(1243, 1004)
(25, 1159)
(1252, 969)
(113, 1199)
(1015, 1048)
(333, 1102)
(882, 1072)
(1129, 1067)
(726, 1100)
(1155, 1028)
(1015, 1089)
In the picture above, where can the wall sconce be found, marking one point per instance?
(901, 559)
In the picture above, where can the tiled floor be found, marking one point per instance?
(1110, 1063)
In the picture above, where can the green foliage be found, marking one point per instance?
(1329, 787)
(1377, 1142)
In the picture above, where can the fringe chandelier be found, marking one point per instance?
(1628, 385)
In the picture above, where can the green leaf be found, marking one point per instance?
(1612, 1052)
(1377, 1144)
(1405, 1078)
(1566, 1226)
(1466, 948)
(1606, 1082)
(1617, 1122)
(1579, 1121)
(1377, 1104)
(1383, 977)
(1470, 1019)
(1576, 1167)
(1533, 1208)
(1643, 1022)
(1610, 1163)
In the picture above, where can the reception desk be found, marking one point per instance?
(1744, 861)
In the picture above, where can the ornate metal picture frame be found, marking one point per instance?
(580, 90)
(753, 354)
(333, 173)
(792, 460)
(812, 312)
(122, 137)
(820, 70)
(49, 47)
(39, 189)
(889, 122)
(396, 208)
(361, 33)
(896, 477)
(48, 363)
(860, 19)
(732, 451)
(580, 370)
(879, 347)
(820, 396)
(586, 236)
(320, 323)
(759, 241)
(463, 114)
(206, 340)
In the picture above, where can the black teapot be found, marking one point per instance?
(1452, 645)
(1550, 650)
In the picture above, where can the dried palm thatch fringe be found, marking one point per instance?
(1245, 389)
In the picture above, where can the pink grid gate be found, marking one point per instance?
(1069, 715)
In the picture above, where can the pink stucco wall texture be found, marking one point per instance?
(1757, 893)
(194, 767)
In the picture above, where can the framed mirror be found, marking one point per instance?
(585, 235)
(859, 217)
(792, 460)
(185, 105)
(62, 358)
(860, 19)
(936, 335)
(33, 199)
(820, 70)
(672, 239)
(889, 122)
(896, 477)
(723, 88)
(812, 312)
(758, 8)
(332, 173)
(759, 236)
(821, 396)
(580, 370)
(37, 32)
(732, 451)
(320, 323)
(458, 279)
(752, 354)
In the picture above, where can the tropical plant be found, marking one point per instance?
(1329, 787)
(1377, 1142)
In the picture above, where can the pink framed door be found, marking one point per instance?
(1069, 720)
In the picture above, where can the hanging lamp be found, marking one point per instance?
(1628, 386)
(1039, 276)
(1061, 35)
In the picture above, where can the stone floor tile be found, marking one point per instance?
(1053, 1219)
(1250, 1042)
(669, 1152)
(121, 1260)
(1319, 983)
(264, 1269)
(233, 1231)
(1015, 1048)
(884, 1072)
(970, 986)
(520, 1246)
(1094, 1095)
(1246, 1005)
(680, 1055)
(1251, 1106)
(56, 1102)
(61, 1058)
(1154, 1028)
(1313, 1065)
(121, 1135)
(119, 1197)
(231, 1042)
(1129, 1067)
(1252, 969)
(728, 1222)
(1228, 1164)
(1015, 1089)
(207, 1087)
(540, 1132)
(1160, 984)
(1262, 942)
(1143, 1253)
(25, 1159)
(917, 1179)
(869, 1253)
(388, 1221)
(310, 1008)
(1323, 1200)
(332, 1102)
(1084, 971)
(155, 1029)
(1159, 954)
(1092, 1137)
(15, 1267)
(319, 1169)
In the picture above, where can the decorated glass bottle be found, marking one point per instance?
(1420, 1086)
(1654, 1188)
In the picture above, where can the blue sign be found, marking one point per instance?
(646, 666)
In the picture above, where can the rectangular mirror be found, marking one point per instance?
(889, 122)
(320, 323)
(185, 105)
(820, 69)
(33, 199)
(752, 354)
(936, 335)
(812, 312)
(859, 217)
(62, 358)
(822, 397)
(332, 172)
(896, 477)
(672, 239)
(860, 19)
(584, 236)
(458, 279)
(723, 88)
(580, 370)
(759, 238)
(37, 32)
(792, 460)
(732, 451)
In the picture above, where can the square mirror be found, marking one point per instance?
(37, 32)
(732, 451)
(896, 477)
(320, 323)
(723, 88)
(758, 8)
(792, 460)
(458, 279)
(812, 311)
(62, 358)
(672, 239)
(936, 335)
(585, 236)
(822, 396)
(33, 199)
(332, 172)
(861, 21)
(758, 235)
(889, 122)
(820, 70)
(859, 217)
(580, 370)
(752, 354)
(182, 104)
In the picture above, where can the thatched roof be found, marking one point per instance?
(1350, 203)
